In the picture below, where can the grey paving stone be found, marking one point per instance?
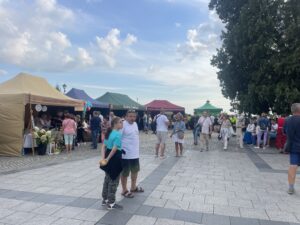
(26, 196)
(115, 218)
(143, 210)
(243, 221)
(46, 198)
(188, 216)
(9, 194)
(62, 200)
(162, 213)
(269, 222)
(209, 219)
(83, 202)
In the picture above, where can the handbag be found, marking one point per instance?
(180, 134)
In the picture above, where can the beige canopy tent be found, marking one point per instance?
(15, 94)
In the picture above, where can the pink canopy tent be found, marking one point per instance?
(156, 105)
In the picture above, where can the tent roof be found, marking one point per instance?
(208, 106)
(82, 95)
(37, 90)
(158, 104)
(120, 101)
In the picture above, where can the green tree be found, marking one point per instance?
(253, 62)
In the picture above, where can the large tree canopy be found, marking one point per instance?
(259, 61)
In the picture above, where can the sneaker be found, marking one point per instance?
(256, 147)
(114, 206)
(104, 202)
(264, 148)
(225, 149)
(291, 191)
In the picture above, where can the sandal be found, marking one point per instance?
(138, 190)
(128, 194)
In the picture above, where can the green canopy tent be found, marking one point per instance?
(120, 102)
(208, 108)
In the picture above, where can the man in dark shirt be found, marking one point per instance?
(293, 135)
(95, 125)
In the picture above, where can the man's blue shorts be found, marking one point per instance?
(295, 158)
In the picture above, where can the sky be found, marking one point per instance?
(147, 49)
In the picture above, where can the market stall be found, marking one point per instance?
(18, 97)
(212, 110)
(120, 103)
(156, 105)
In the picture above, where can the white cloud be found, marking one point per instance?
(3, 72)
(177, 24)
(202, 40)
(40, 41)
(130, 39)
(111, 44)
(84, 57)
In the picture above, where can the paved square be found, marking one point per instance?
(235, 187)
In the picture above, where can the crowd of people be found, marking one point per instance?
(120, 137)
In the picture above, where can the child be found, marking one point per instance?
(111, 163)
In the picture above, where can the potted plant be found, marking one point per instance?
(42, 138)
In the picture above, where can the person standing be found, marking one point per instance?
(240, 124)
(130, 160)
(105, 124)
(206, 130)
(196, 130)
(145, 122)
(263, 124)
(111, 163)
(178, 134)
(162, 124)
(293, 136)
(95, 125)
(69, 130)
(281, 137)
(80, 130)
(226, 126)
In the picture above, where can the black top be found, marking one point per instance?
(95, 123)
(293, 132)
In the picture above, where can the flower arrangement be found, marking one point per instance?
(42, 136)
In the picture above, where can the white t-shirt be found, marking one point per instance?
(161, 121)
(205, 124)
(130, 140)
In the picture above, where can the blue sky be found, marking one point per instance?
(148, 49)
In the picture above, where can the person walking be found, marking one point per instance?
(162, 124)
(130, 160)
(196, 130)
(293, 140)
(69, 130)
(178, 134)
(206, 130)
(263, 124)
(240, 124)
(225, 130)
(80, 131)
(95, 125)
(111, 163)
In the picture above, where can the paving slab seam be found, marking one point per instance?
(261, 164)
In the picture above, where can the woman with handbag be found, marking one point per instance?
(178, 134)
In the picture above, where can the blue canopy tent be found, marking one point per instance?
(82, 95)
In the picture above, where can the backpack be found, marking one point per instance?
(263, 125)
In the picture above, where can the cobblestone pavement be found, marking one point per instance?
(233, 187)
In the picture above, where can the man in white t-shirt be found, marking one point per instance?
(130, 160)
(206, 130)
(162, 124)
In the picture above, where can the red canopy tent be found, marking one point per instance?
(156, 105)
